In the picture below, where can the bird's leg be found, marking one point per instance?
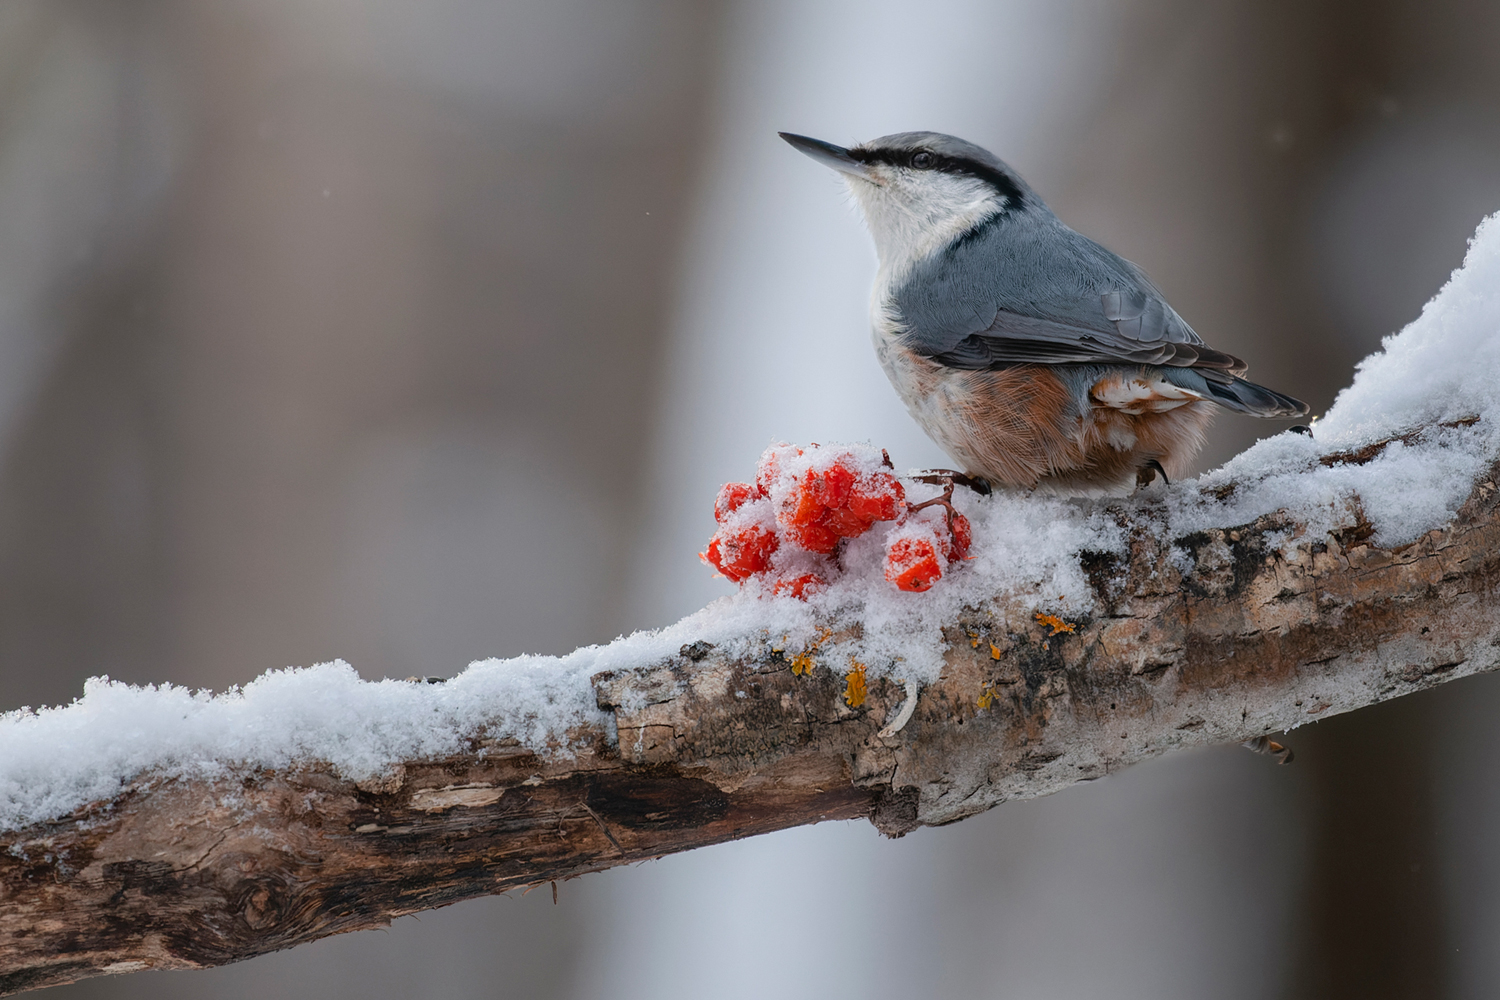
(1146, 474)
(1269, 747)
(939, 477)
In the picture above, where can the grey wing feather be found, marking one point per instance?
(1015, 339)
(1025, 288)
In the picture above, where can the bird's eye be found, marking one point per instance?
(921, 160)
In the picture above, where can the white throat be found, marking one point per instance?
(912, 217)
(915, 215)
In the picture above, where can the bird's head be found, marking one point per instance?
(921, 190)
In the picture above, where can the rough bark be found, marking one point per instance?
(181, 874)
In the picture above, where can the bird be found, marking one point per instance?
(1033, 356)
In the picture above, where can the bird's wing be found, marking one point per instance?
(1033, 291)
(1014, 338)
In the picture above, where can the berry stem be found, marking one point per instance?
(946, 500)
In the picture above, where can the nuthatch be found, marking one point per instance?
(1032, 355)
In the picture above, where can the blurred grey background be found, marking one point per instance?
(413, 333)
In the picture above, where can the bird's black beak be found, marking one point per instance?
(827, 154)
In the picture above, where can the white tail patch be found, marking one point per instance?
(1140, 395)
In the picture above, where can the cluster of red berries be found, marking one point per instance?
(787, 530)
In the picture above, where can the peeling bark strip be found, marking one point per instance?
(184, 874)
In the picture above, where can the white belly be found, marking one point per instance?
(933, 396)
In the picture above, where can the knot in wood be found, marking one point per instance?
(262, 904)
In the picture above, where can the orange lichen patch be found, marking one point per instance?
(803, 663)
(994, 651)
(854, 684)
(1054, 623)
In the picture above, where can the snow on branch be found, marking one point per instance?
(162, 828)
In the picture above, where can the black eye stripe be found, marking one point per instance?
(921, 159)
(942, 163)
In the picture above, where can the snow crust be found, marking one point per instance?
(1442, 368)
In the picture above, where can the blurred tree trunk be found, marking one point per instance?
(1388, 81)
(1375, 916)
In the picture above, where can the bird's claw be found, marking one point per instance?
(949, 477)
(1146, 475)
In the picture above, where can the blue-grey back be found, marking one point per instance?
(1022, 283)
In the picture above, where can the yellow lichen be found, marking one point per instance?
(994, 651)
(987, 695)
(1053, 622)
(802, 663)
(854, 684)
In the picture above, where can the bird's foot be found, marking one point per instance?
(1269, 747)
(1146, 475)
(948, 477)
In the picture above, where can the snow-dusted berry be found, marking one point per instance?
(877, 497)
(769, 468)
(800, 586)
(741, 553)
(732, 496)
(961, 535)
(912, 563)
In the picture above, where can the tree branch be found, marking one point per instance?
(1254, 636)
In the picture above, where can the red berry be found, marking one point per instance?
(738, 554)
(712, 555)
(833, 485)
(963, 537)
(804, 515)
(912, 564)
(800, 587)
(816, 536)
(769, 469)
(731, 497)
(802, 506)
(877, 497)
(846, 523)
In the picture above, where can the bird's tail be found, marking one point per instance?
(1238, 394)
(1256, 400)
